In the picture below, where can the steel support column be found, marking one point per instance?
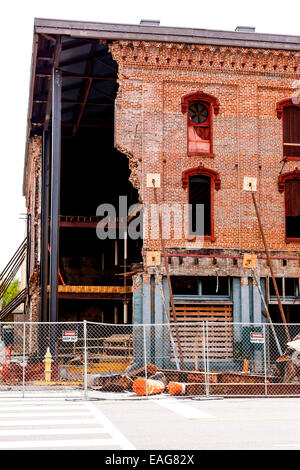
(55, 191)
(44, 223)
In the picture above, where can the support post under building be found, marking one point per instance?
(44, 223)
(55, 190)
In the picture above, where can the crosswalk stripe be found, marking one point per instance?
(57, 443)
(187, 411)
(52, 432)
(112, 430)
(36, 422)
(45, 413)
(40, 408)
(25, 420)
(22, 403)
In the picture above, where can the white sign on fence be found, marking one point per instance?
(257, 338)
(69, 336)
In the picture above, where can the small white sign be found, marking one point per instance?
(250, 184)
(153, 180)
(69, 336)
(257, 338)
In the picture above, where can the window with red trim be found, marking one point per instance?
(200, 183)
(199, 135)
(289, 183)
(292, 208)
(290, 114)
(200, 205)
(199, 107)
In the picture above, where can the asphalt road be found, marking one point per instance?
(161, 423)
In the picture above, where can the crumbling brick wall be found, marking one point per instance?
(33, 204)
(152, 131)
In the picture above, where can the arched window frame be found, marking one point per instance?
(280, 106)
(213, 106)
(215, 184)
(282, 179)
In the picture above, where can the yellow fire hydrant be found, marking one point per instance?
(48, 361)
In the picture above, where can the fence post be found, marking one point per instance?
(204, 356)
(145, 360)
(207, 358)
(85, 358)
(265, 359)
(24, 353)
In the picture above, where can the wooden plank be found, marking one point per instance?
(220, 330)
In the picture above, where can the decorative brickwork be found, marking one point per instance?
(247, 139)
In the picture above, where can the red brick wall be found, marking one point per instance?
(151, 130)
(33, 204)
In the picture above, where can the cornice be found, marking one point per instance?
(194, 56)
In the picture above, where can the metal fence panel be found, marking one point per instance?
(42, 357)
(204, 359)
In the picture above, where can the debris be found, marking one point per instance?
(176, 388)
(295, 344)
(287, 366)
(161, 377)
(128, 378)
(142, 386)
(107, 382)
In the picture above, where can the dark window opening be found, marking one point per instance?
(291, 132)
(202, 286)
(291, 287)
(279, 286)
(185, 285)
(215, 285)
(292, 208)
(200, 194)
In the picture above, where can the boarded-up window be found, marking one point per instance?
(217, 334)
(291, 131)
(200, 195)
(292, 208)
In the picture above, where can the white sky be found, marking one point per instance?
(281, 17)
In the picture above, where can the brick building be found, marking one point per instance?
(113, 107)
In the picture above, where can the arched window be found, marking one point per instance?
(290, 114)
(199, 107)
(290, 184)
(201, 183)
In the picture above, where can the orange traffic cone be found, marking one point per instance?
(245, 366)
(176, 388)
(142, 386)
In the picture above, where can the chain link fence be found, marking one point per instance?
(204, 359)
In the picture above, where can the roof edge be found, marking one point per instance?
(115, 31)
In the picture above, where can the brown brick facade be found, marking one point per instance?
(152, 130)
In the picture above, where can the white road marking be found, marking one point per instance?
(37, 422)
(187, 411)
(18, 419)
(44, 413)
(51, 432)
(112, 430)
(57, 443)
(287, 445)
(40, 408)
(20, 403)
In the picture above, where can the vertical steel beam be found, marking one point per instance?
(55, 190)
(44, 223)
(28, 258)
